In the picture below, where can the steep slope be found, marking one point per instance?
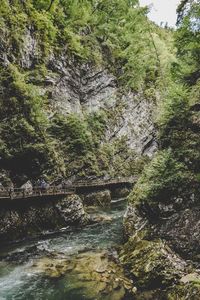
(79, 86)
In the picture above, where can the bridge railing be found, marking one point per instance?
(104, 182)
(15, 193)
(36, 191)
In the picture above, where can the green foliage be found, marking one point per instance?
(175, 169)
(25, 148)
(174, 110)
(19, 98)
(42, 4)
(172, 172)
(85, 149)
(187, 40)
(179, 125)
(114, 33)
(46, 30)
(195, 94)
(73, 133)
(13, 22)
(161, 180)
(97, 123)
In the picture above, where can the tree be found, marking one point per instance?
(187, 39)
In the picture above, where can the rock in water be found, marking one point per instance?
(94, 273)
(28, 187)
(47, 215)
(71, 210)
(99, 198)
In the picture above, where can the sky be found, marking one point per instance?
(162, 10)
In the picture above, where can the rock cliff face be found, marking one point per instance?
(84, 88)
(163, 252)
(76, 87)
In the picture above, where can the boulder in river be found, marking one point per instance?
(120, 192)
(98, 198)
(40, 216)
(27, 186)
(71, 210)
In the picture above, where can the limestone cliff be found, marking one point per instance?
(74, 102)
(83, 89)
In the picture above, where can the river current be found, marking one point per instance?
(20, 281)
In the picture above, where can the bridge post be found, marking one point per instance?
(10, 194)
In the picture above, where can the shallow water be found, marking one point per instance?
(19, 281)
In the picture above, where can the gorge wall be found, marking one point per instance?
(74, 102)
(84, 90)
(162, 219)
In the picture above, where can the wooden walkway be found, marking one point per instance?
(20, 193)
(52, 191)
(102, 183)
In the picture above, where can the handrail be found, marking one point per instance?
(15, 193)
(104, 182)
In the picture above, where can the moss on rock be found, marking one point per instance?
(152, 264)
(96, 273)
(98, 198)
(189, 291)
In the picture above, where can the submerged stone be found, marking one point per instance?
(95, 273)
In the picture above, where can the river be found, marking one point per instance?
(21, 274)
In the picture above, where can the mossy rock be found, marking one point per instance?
(135, 224)
(152, 264)
(120, 192)
(98, 198)
(189, 291)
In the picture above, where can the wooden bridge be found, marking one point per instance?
(59, 191)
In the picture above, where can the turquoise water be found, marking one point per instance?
(18, 281)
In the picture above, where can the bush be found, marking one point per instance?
(25, 147)
(73, 132)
